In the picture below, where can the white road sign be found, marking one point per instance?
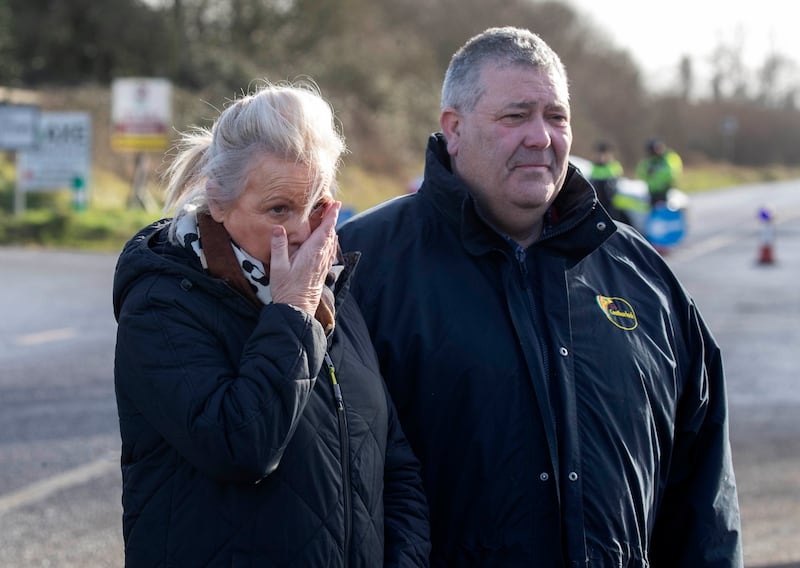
(62, 155)
(18, 126)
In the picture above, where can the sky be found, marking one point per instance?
(658, 34)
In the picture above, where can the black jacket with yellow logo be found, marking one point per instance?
(567, 401)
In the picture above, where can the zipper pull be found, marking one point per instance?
(522, 262)
(337, 391)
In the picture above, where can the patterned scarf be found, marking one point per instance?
(187, 230)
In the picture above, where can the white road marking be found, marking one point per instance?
(42, 489)
(705, 246)
(47, 336)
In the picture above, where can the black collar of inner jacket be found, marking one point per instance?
(575, 203)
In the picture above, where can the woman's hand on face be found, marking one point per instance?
(299, 280)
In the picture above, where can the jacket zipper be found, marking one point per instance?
(537, 324)
(521, 256)
(344, 442)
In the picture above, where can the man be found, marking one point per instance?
(660, 169)
(606, 170)
(561, 390)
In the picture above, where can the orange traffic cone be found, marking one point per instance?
(766, 255)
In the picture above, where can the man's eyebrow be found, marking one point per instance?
(515, 106)
(522, 104)
(533, 104)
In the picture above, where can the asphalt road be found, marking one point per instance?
(59, 440)
(59, 444)
(754, 312)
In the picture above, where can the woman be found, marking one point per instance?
(256, 430)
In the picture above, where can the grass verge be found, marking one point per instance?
(51, 220)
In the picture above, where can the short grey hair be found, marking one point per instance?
(290, 121)
(508, 46)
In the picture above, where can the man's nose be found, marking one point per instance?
(537, 134)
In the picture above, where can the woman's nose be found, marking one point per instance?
(299, 229)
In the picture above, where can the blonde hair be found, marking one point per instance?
(290, 121)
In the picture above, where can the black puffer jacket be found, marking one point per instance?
(567, 401)
(233, 450)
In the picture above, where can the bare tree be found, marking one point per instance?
(686, 77)
(728, 79)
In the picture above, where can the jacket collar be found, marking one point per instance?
(574, 225)
(150, 250)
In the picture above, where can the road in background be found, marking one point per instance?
(59, 442)
(59, 438)
(753, 310)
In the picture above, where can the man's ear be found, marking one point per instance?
(450, 121)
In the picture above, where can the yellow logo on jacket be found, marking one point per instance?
(619, 312)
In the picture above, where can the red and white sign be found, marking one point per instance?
(141, 114)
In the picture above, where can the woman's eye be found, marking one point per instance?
(318, 208)
(279, 210)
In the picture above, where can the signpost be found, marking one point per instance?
(18, 125)
(60, 159)
(141, 114)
